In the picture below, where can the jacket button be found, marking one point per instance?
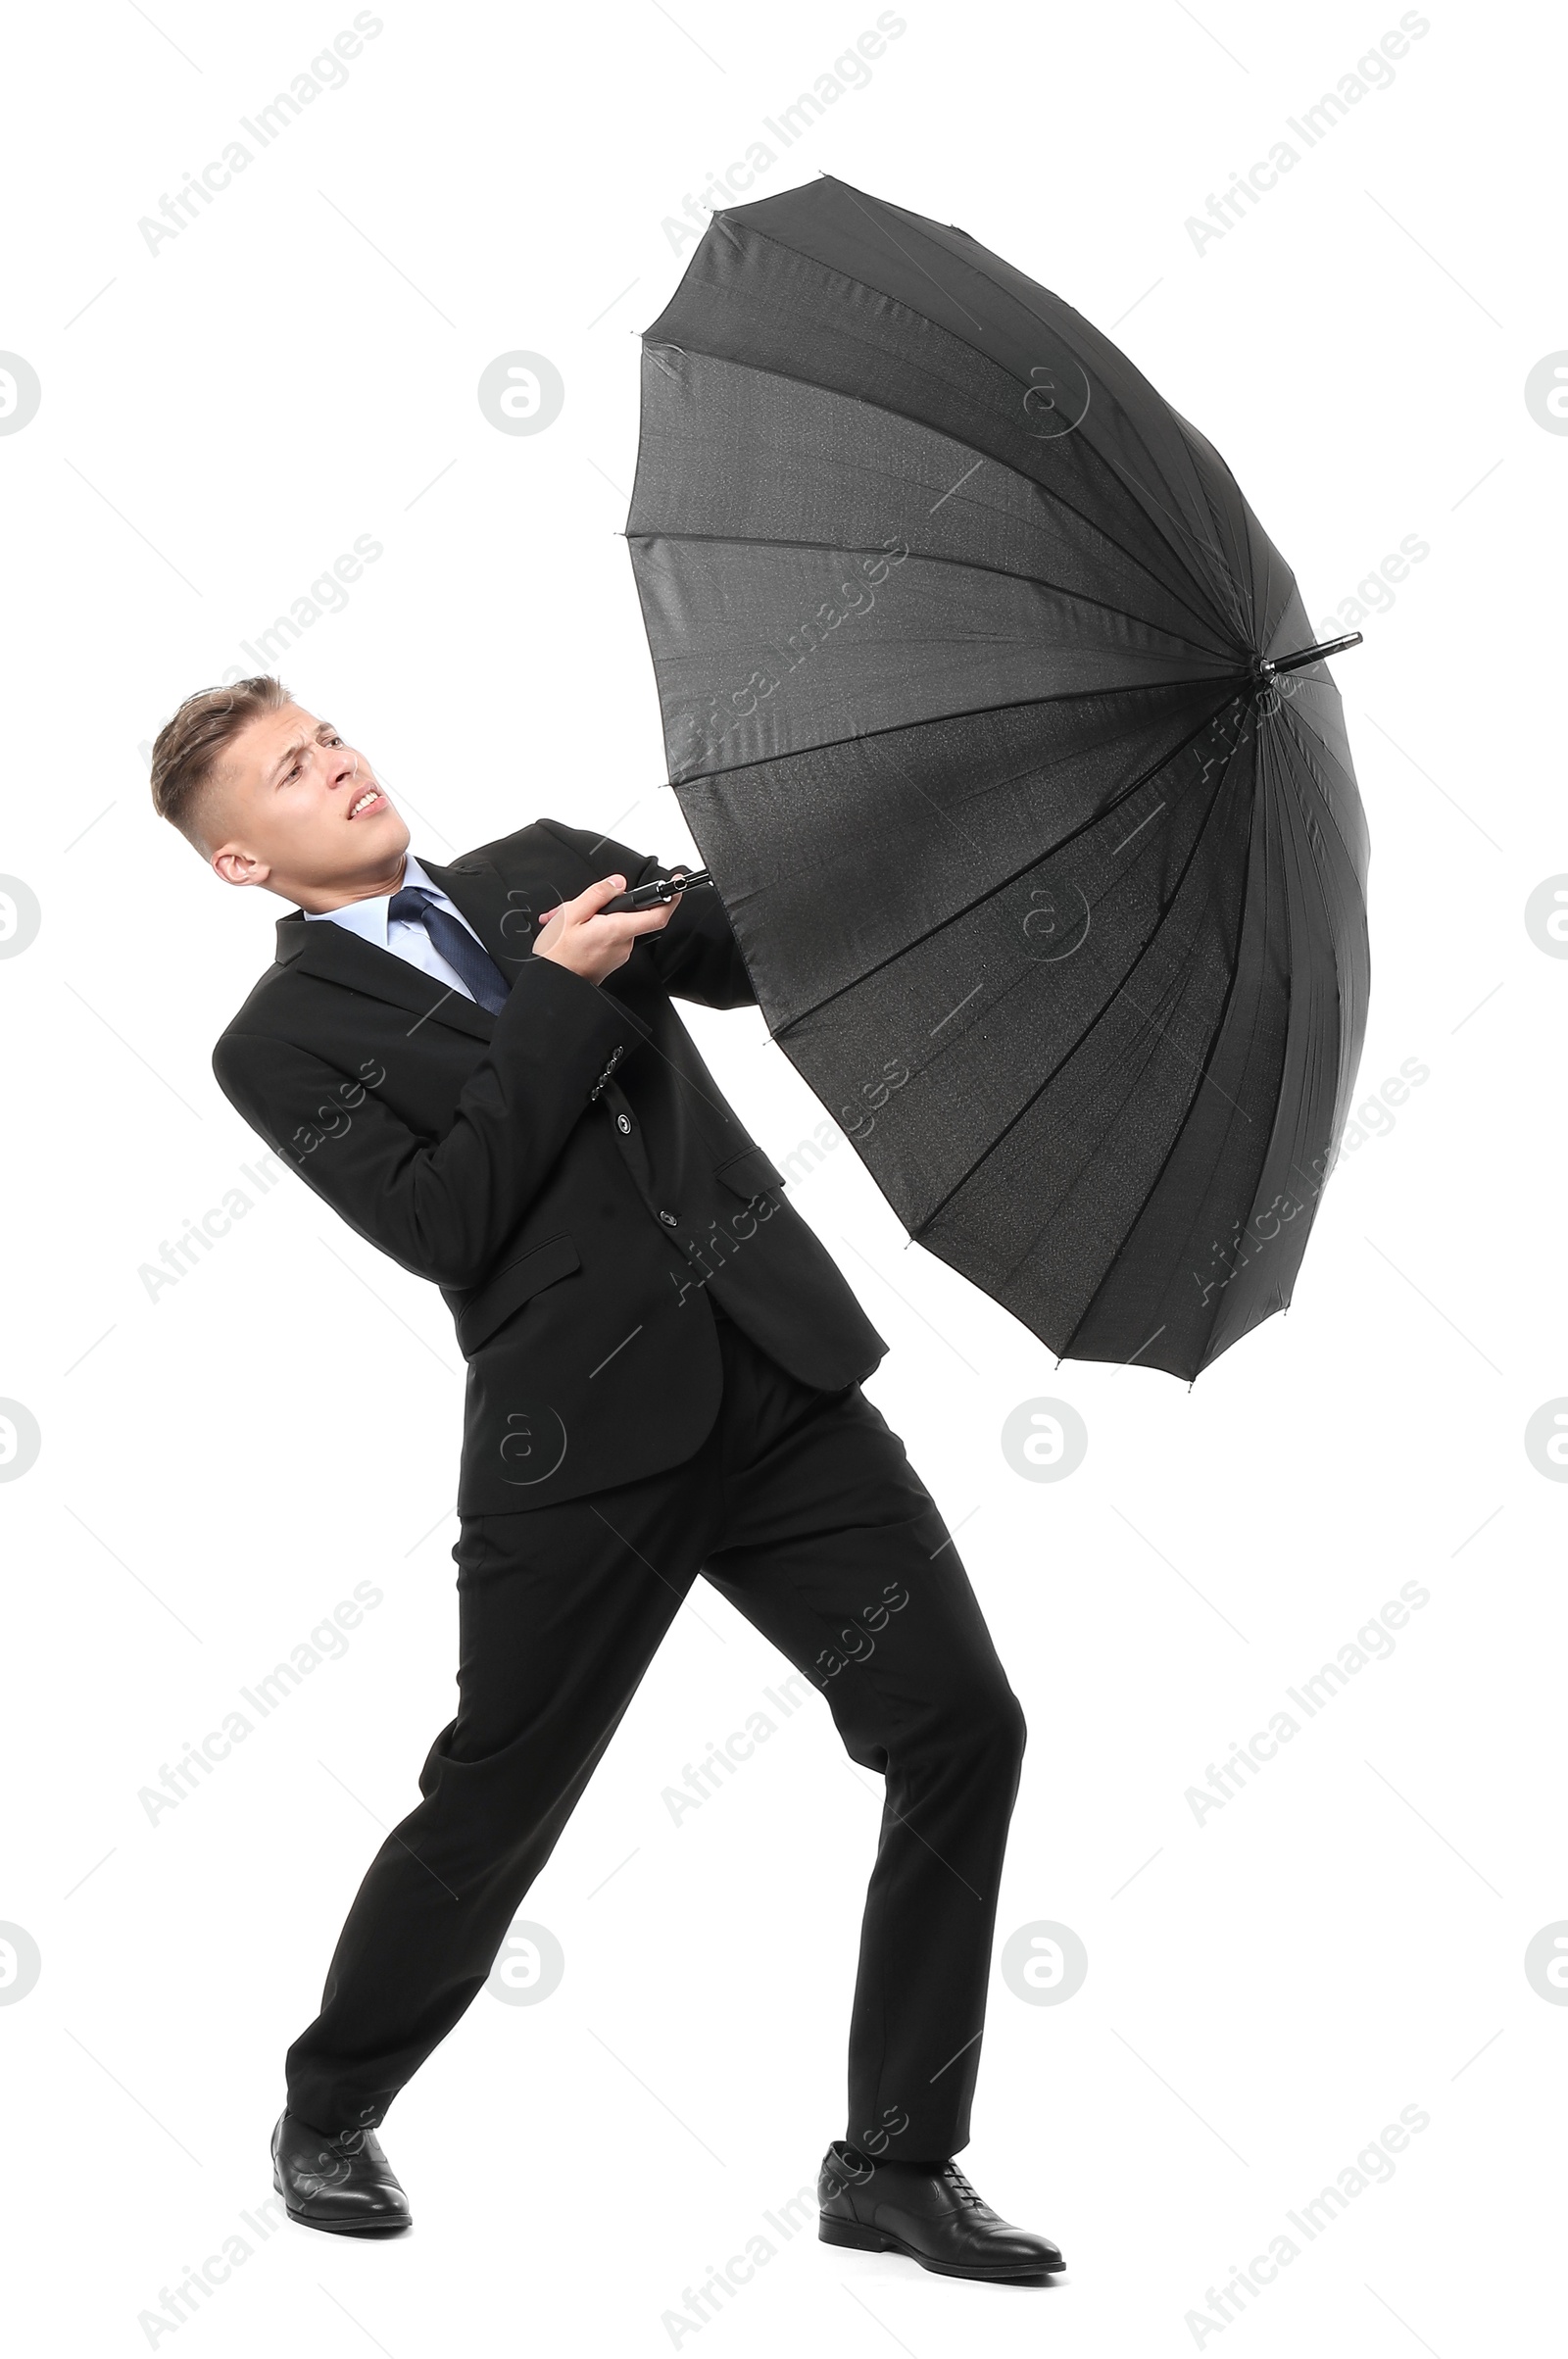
(670, 1220)
(623, 1123)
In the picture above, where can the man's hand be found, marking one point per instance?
(574, 935)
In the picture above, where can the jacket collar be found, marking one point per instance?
(338, 956)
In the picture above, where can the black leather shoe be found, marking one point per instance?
(930, 2213)
(344, 2185)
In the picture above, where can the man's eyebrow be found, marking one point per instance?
(324, 728)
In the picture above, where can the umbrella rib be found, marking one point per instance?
(1090, 1028)
(1017, 704)
(1264, 626)
(790, 376)
(1102, 457)
(1291, 865)
(1180, 1132)
(877, 223)
(1238, 618)
(969, 564)
(1011, 295)
(1002, 883)
(1310, 760)
(1219, 527)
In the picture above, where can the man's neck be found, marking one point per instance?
(321, 901)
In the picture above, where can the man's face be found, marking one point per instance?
(303, 815)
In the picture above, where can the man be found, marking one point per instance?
(478, 1066)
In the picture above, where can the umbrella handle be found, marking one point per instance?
(1264, 667)
(658, 889)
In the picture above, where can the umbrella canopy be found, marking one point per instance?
(1048, 866)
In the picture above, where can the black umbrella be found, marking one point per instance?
(990, 705)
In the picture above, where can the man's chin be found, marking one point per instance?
(354, 867)
(385, 837)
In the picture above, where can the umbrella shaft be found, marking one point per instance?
(1268, 666)
(658, 889)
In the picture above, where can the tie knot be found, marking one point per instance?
(412, 902)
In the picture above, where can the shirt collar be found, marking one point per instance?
(368, 919)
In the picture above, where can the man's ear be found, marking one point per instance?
(235, 866)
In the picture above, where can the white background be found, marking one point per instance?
(219, 1465)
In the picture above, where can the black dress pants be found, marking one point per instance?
(803, 1510)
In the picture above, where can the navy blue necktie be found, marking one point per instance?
(464, 955)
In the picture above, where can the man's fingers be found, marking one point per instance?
(589, 907)
(646, 921)
(627, 922)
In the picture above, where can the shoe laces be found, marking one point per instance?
(961, 2188)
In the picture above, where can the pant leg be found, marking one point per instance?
(560, 1610)
(833, 1547)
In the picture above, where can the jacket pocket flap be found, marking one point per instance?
(511, 1287)
(750, 1172)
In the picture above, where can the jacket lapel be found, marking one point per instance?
(503, 919)
(339, 957)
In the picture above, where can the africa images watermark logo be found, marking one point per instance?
(21, 1439)
(178, 1261)
(20, 392)
(851, 70)
(521, 392)
(1374, 2166)
(1374, 1642)
(1545, 915)
(1045, 1441)
(21, 917)
(326, 1642)
(528, 1965)
(1373, 71)
(20, 1963)
(327, 70)
(1546, 392)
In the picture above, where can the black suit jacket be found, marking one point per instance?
(567, 1171)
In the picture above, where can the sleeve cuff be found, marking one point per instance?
(589, 1029)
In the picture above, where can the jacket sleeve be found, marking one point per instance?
(444, 1208)
(696, 956)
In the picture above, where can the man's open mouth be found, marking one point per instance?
(370, 799)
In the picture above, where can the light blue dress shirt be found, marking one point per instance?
(404, 937)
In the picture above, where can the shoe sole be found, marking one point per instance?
(859, 2239)
(342, 2228)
